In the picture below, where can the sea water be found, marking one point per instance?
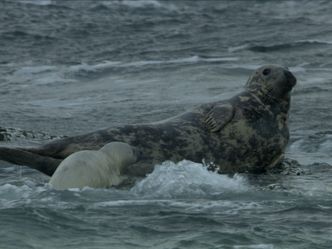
(70, 67)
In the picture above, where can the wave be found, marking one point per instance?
(51, 74)
(147, 3)
(37, 2)
(255, 246)
(40, 75)
(11, 194)
(168, 181)
(314, 148)
(187, 179)
(238, 48)
(34, 70)
(141, 4)
(117, 64)
(188, 60)
(170, 184)
(298, 68)
(15, 34)
(309, 90)
(279, 47)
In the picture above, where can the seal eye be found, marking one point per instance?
(266, 71)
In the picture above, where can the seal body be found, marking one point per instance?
(90, 168)
(246, 133)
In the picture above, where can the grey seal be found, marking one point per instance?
(246, 133)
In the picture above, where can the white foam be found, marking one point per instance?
(189, 205)
(326, 146)
(187, 179)
(52, 74)
(257, 246)
(12, 195)
(28, 70)
(322, 153)
(142, 3)
(243, 66)
(33, 194)
(312, 41)
(150, 3)
(327, 42)
(139, 4)
(298, 68)
(37, 2)
(96, 67)
(192, 59)
(40, 75)
(111, 64)
(238, 48)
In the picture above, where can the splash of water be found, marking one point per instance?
(186, 180)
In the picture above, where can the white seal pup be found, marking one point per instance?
(94, 168)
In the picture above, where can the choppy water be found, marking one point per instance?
(68, 67)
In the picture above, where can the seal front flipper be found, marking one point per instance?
(218, 116)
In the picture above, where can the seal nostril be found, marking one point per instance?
(287, 74)
(290, 77)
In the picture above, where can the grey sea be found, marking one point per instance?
(72, 66)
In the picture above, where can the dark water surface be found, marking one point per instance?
(69, 67)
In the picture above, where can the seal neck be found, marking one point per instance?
(265, 98)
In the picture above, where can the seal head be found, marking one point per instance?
(121, 153)
(271, 82)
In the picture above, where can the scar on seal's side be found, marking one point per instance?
(246, 133)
